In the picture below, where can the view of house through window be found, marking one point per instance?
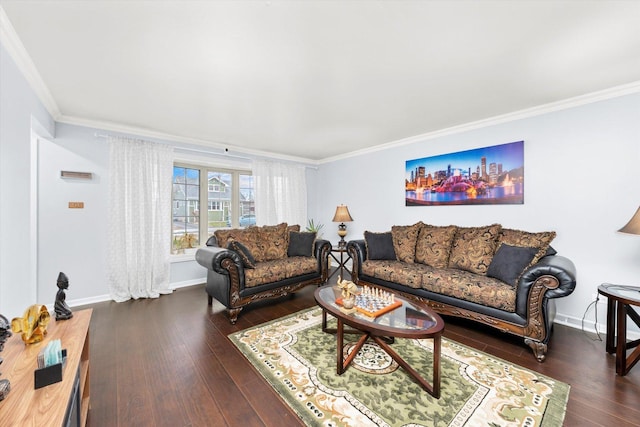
(228, 196)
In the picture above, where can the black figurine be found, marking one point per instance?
(5, 332)
(63, 312)
(5, 388)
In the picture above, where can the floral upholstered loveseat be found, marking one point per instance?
(257, 263)
(504, 278)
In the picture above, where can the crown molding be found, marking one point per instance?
(590, 98)
(12, 43)
(147, 133)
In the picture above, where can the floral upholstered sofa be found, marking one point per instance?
(257, 263)
(504, 278)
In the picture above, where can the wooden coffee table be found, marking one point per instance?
(411, 320)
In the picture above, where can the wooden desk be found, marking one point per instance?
(619, 305)
(47, 406)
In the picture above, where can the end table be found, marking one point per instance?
(342, 250)
(620, 300)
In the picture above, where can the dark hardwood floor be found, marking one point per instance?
(168, 362)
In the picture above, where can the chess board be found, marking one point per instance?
(372, 305)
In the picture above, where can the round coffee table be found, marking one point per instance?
(410, 320)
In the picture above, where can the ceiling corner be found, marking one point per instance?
(12, 43)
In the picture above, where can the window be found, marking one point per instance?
(186, 218)
(247, 197)
(227, 194)
(215, 187)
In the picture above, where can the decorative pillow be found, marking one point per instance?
(223, 236)
(434, 245)
(473, 248)
(379, 246)
(272, 241)
(541, 240)
(404, 241)
(248, 261)
(301, 244)
(509, 263)
(293, 227)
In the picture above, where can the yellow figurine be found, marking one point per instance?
(33, 324)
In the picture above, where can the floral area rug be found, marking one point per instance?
(477, 389)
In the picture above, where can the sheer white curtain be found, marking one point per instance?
(139, 218)
(281, 193)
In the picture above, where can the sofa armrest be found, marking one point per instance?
(357, 250)
(213, 258)
(321, 252)
(553, 276)
(321, 245)
(557, 266)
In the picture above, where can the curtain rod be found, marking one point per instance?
(195, 150)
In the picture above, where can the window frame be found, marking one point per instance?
(204, 169)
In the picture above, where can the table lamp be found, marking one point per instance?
(633, 226)
(342, 215)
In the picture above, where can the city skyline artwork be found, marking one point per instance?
(487, 175)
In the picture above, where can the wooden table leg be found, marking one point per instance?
(611, 326)
(341, 362)
(621, 344)
(436, 366)
(340, 345)
(432, 389)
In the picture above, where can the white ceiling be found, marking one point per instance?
(318, 79)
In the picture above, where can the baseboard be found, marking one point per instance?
(103, 298)
(186, 283)
(83, 301)
(590, 326)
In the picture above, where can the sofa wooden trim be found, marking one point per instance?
(552, 277)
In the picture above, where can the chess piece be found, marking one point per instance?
(63, 312)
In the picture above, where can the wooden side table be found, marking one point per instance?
(620, 300)
(341, 262)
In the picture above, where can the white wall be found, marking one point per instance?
(72, 240)
(20, 112)
(580, 180)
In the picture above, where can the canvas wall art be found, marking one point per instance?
(490, 175)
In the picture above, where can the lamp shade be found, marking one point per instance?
(633, 226)
(342, 214)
